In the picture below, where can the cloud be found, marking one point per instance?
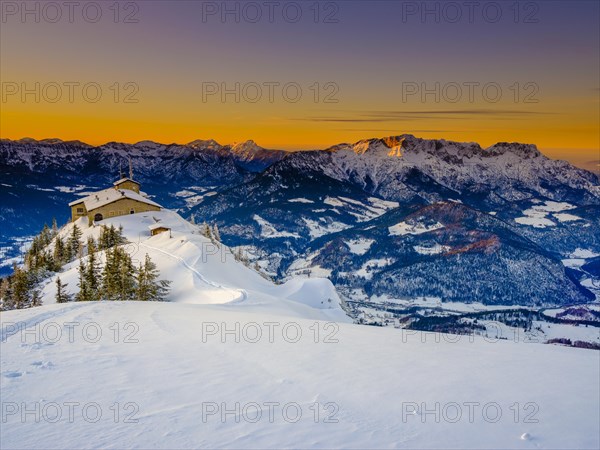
(341, 120)
(395, 116)
(395, 131)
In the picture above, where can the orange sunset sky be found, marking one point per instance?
(534, 81)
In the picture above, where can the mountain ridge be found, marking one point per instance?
(358, 213)
(390, 141)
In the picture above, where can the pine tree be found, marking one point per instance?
(80, 252)
(141, 293)
(59, 252)
(54, 227)
(118, 276)
(29, 259)
(84, 293)
(21, 288)
(92, 274)
(6, 294)
(127, 285)
(216, 233)
(239, 254)
(36, 299)
(206, 230)
(45, 265)
(110, 236)
(73, 243)
(102, 240)
(109, 276)
(45, 236)
(149, 287)
(61, 295)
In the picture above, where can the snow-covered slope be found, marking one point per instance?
(253, 157)
(204, 272)
(172, 378)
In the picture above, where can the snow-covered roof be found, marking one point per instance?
(123, 180)
(110, 195)
(156, 226)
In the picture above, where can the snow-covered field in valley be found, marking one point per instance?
(235, 361)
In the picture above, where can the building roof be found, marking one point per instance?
(123, 180)
(111, 195)
(156, 226)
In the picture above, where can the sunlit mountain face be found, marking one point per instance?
(241, 216)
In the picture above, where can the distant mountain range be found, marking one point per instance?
(385, 219)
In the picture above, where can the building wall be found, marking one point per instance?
(120, 208)
(78, 211)
(158, 231)
(128, 185)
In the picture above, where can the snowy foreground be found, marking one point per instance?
(237, 362)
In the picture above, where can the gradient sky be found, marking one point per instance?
(369, 53)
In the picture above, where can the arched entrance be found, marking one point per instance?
(98, 217)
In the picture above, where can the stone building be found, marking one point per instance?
(123, 198)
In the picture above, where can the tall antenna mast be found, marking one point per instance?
(130, 169)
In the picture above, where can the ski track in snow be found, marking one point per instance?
(243, 294)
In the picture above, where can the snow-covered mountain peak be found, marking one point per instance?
(253, 157)
(370, 147)
(399, 145)
(46, 142)
(409, 146)
(525, 151)
(200, 144)
(51, 141)
(245, 148)
(25, 140)
(149, 145)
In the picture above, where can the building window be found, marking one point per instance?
(132, 211)
(79, 210)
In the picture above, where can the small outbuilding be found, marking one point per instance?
(158, 228)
